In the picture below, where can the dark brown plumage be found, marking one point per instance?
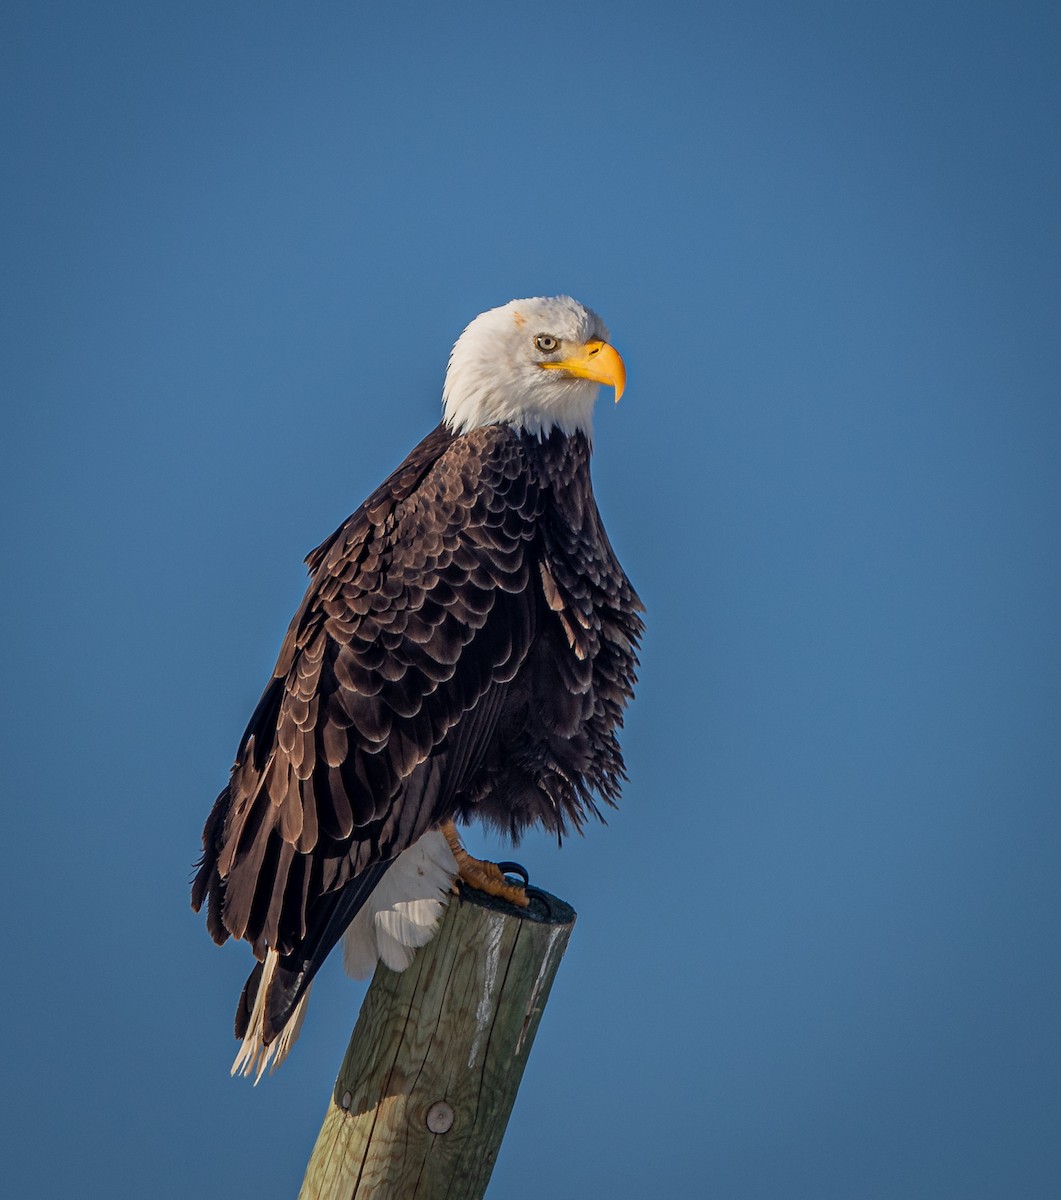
(465, 649)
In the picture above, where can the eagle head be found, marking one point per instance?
(536, 364)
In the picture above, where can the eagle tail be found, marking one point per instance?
(254, 1055)
(401, 913)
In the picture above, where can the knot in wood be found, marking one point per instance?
(440, 1117)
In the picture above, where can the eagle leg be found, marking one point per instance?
(483, 876)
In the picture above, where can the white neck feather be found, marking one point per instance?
(470, 402)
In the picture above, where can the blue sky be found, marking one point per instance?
(817, 948)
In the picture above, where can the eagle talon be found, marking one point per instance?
(486, 876)
(515, 868)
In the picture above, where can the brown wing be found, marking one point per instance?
(419, 614)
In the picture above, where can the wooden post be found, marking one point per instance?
(431, 1072)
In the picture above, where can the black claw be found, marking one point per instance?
(539, 898)
(513, 868)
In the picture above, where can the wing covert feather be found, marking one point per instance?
(374, 679)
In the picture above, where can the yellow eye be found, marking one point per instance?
(546, 343)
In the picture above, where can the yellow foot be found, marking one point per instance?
(483, 876)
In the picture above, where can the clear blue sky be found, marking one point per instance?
(817, 952)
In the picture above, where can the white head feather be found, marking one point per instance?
(495, 370)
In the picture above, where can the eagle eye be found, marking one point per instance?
(546, 343)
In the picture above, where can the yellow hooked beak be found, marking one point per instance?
(594, 360)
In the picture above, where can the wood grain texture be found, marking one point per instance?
(455, 1028)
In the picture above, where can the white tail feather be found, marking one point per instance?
(401, 914)
(254, 1055)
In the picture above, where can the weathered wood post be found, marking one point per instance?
(431, 1072)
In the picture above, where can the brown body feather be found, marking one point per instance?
(465, 648)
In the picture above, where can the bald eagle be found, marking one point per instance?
(465, 648)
